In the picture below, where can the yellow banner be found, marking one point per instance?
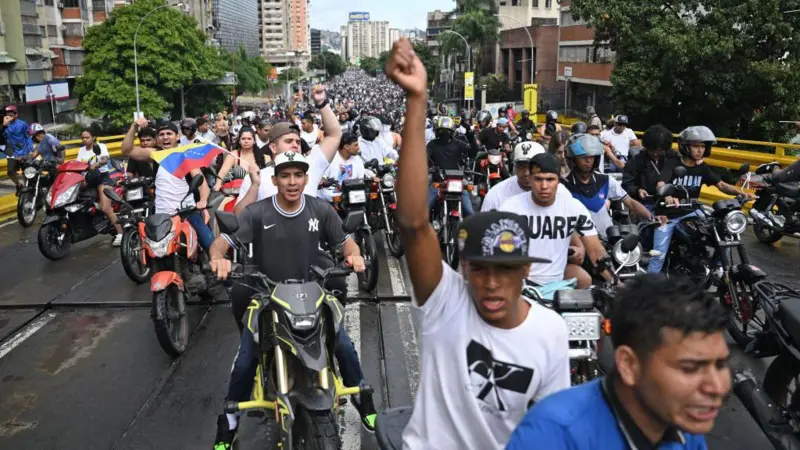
(531, 97)
(469, 86)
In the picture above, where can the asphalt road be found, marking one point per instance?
(80, 366)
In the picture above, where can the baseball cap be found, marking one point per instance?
(290, 159)
(502, 121)
(167, 125)
(498, 237)
(547, 163)
(11, 108)
(281, 129)
(525, 151)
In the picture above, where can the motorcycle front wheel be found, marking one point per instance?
(737, 325)
(53, 244)
(130, 254)
(26, 209)
(315, 430)
(368, 279)
(450, 245)
(393, 236)
(171, 321)
(766, 234)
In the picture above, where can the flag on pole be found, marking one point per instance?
(182, 160)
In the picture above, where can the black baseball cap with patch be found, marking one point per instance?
(496, 237)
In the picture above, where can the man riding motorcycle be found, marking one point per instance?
(641, 174)
(496, 138)
(371, 146)
(520, 182)
(694, 145)
(525, 124)
(550, 127)
(346, 165)
(472, 324)
(18, 143)
(445, 153)
(293, 225)
(595, 190)
(46, 145)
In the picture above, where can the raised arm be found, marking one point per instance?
(419, 238)
(333, 132)
(134, 151)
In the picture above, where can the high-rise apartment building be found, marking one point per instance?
(285, 31)
(236, 25)
(394, 34)
(365, 39)
(524, 13)
(316, 41)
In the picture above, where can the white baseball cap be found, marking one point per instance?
(290, 159)
(525, 151)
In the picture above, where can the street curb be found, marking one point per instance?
(8, 207)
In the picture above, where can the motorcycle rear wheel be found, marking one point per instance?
(132, 260)
(172, 327)
(766, 234)
(450, 246)
(26, 216)
(368, 279)
(779, 376)
(47, 240)
(315, 430)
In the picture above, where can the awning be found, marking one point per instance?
(5, 59)
(49, 53)
(30, 51)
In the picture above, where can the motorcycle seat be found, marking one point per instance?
(789, 314)
(788, 189)
(389, 427)
(450, 173)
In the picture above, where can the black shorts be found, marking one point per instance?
(13, 165)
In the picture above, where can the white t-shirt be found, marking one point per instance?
(478, 381)
(552, 228)
(621, 142)
(377, 149)
(508, 188)
(170, 192)
(197, 137)
(317, 164)
(87, 155)
(310, 137)
(341, 170)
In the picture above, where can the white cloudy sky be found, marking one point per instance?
(403, 14)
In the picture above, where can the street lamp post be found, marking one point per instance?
(469, 51)
(529, 38)
(135, 53)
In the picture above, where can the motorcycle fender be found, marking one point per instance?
(52, 218)
(190, 238)
(313, 398)
(747, 273)
(163, 279)
(353, 221)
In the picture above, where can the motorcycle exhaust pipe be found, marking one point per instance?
(769, 416)
(758, 216)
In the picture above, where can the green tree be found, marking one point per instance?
(497, 89)
(370, 65)
(171, 53)
(727, 64)
(477, 22)
(383, 58)
(333, 63)
(252, 74)
(290, 74)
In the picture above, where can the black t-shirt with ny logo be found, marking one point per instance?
(286, 245)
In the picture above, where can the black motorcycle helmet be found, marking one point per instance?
(484, 118)
(369, 127)
(443, 128)
(578, 128)
(466, 118)
(501, 111)
(525, 114)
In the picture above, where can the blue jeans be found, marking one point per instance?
(466, 201)
(204, 233)
(662, 238)
(244, 366)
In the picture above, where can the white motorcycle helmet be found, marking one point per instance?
(525, 151)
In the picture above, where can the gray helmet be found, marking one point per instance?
(484, 118)
(551, 116)
(578, 128)
(697, 133)
(584, 145)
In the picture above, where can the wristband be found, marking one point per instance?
(325, 103)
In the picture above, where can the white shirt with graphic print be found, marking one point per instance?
(477, 381)
(552, 229)
(317, 165)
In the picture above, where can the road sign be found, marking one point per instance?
(567, 71)
(469, 86)
(531, 97)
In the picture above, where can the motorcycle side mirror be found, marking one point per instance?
(679, 172)
(667, 190)
(228, 223)
(112, 195)
(629, 243)
(196, 182)
(743, 169)
(373, 163)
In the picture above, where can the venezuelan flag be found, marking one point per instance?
(182, 160)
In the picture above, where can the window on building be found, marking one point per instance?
(535, 3)
(586, 54)
(71, 3)
(568, 20)
(548, 4)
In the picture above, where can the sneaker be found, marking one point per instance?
(117, 240)
(366, 409)
(225, 436)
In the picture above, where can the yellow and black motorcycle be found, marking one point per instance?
(295, 325)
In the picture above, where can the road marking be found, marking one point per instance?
(395, 272)
(408, 336)
(352, 286)
(25, 333)
(10, 222)
(349, 419)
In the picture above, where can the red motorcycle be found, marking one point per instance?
(73, 212)
(230, 189)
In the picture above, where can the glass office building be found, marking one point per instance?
(236, 25)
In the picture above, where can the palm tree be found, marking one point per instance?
(477, 22)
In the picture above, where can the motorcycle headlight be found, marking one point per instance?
(67, 196)
(529, 136)
(388, 180)
(356, 197)
(134, 194)
(626, 259)
(495, 159)
(302, 322)
(159, 248)
(583, 326)
(29, 172)
(736, 222)
(455, 186)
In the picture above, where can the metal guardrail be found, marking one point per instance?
(114, 144)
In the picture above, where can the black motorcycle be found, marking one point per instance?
(295, 325)
(447, 212)
(628, 262)
(383, 215)
(776, 212)
(776, 407)
(352, 204)
(38, 176)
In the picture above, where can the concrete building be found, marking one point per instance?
(514, 61)
(394, 34)
(299, 25)
(438, 21)
(285, 33)
(583, 65)
(517, 13)
(316, 41)
(365, 39)
(236, 25)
